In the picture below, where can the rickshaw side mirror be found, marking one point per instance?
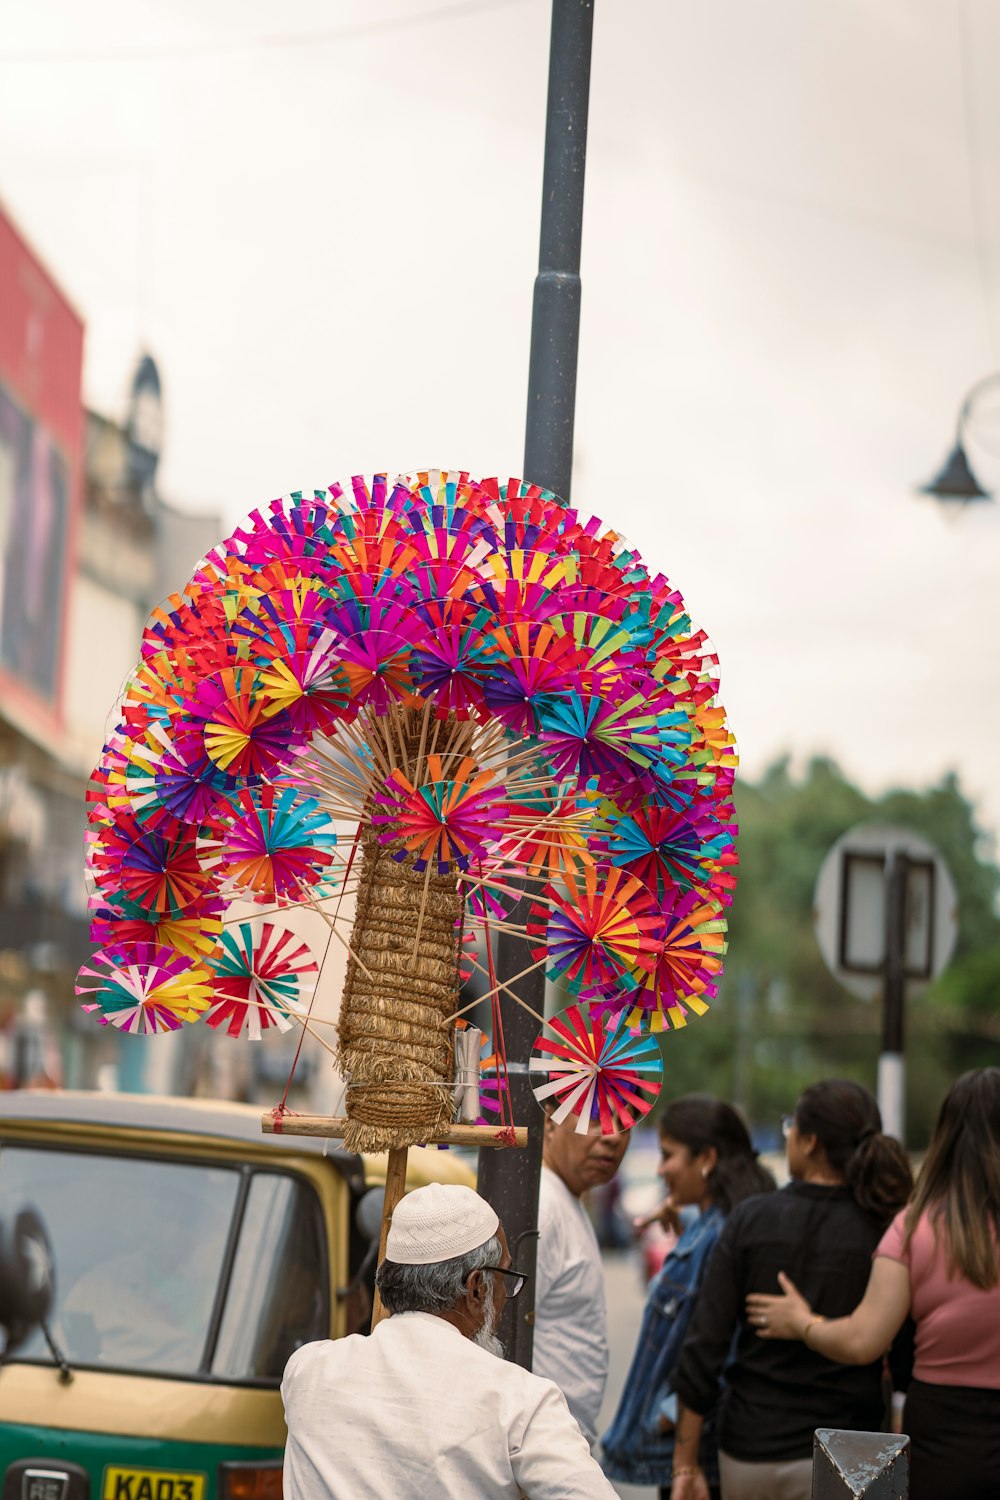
(368, 1213)
(27, 1276)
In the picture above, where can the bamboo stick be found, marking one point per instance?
(332, 1128)
(395, 1187)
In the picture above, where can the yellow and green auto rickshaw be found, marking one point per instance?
(192, 1255)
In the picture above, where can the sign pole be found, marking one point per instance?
(886, 914)
(891, 1066)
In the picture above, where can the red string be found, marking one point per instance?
(278, 1114)
(282, 1108)
(499, 1045)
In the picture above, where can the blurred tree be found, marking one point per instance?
(781, 1021)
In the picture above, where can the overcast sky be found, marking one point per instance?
(322, 220)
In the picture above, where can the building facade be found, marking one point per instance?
(87, 548)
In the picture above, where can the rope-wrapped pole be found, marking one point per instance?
(401, 986)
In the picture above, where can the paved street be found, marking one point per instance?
(623, 1283)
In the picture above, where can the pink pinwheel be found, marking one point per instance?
(447, 820)
(378, 639)
(687, 970)
(276, 846)
(169, 778)
(297, 656)
(452, 666)
(241, 731)
(258, 983)
(599, 929)
(156, 869)
(194, 935)
(668, 848)
(297, 534)
(143, 988)
(608, 1072)
(532, 664)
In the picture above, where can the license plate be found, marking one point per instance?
(152, 1484)
(44, 1484)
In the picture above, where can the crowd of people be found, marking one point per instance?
(775, 1312)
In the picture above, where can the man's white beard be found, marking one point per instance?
(485, 1337)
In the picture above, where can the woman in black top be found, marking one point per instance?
(848, 1181)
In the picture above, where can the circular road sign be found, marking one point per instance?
(849, 908)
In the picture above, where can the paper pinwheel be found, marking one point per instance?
(596, 1071)
(257, 982)
(143, 988)
(276, 847)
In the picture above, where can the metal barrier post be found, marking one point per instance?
(860, 1465)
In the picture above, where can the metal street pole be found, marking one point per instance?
(891, 1067)
(509, 1179)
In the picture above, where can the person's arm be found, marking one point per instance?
(717, 1306)
(552, 1458)
(696, 1379)
(855, 1340)
(550, 1257)
(689, 1482)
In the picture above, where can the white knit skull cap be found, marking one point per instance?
(439, 1222)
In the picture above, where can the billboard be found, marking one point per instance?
(41, 477)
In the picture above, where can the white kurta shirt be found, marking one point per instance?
(419, 1412)
(571, 1320)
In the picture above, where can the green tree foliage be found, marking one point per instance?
(781, 1021)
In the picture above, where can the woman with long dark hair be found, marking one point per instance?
(940, 1258)
(707, 1162)
(848, 1179)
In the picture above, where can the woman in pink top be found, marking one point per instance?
(940, 1259)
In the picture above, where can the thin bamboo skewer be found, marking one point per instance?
(500, 985)
(330, 921)
(423, 909)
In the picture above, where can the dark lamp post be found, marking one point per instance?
(956, 481)
(509, 1179)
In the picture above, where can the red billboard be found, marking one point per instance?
(41, 478)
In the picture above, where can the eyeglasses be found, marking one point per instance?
(518, 1278)
(787, 1121)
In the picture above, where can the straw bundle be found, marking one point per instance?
(395, 1044)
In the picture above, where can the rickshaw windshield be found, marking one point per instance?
(141, 1246)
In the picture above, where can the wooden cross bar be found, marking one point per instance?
(333, 1126)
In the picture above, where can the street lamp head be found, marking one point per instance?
(956, 481)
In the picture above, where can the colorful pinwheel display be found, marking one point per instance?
(420, 697)
(608, 1072)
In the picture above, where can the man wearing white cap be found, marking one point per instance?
(423, 1407)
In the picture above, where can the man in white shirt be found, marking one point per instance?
(423, 1407)
(571, 1321)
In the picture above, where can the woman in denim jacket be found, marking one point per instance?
(708, 1165)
